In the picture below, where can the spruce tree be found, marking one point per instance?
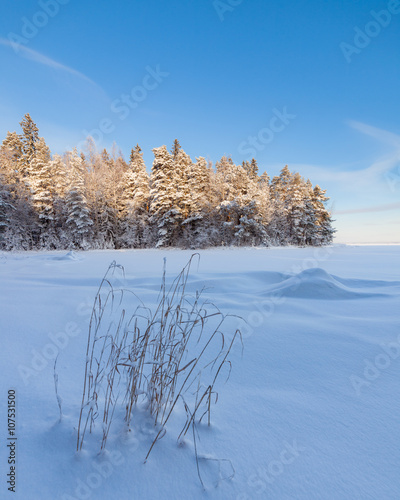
(176, 147)
(29, 139)
(309, 223)
(185, 185)
(294, 206)
(254, 168)
(198, 222)
(136, 194)
(165, 215)
(323, 217)
(5, 208)
(59, 189)
(78, 223)
(40, 181)
(251, 168)
(278, 228)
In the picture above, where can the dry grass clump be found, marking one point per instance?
(174, 353)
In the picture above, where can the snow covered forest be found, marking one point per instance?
(95, 200)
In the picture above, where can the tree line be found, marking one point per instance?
(97, 200)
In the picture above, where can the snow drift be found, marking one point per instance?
(315, 283)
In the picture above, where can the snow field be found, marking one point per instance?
(310, 409)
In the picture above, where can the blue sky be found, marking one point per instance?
(312, 84)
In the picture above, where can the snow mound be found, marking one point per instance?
(68, 256)
(316, 283)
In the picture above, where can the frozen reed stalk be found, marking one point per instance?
(158, 357)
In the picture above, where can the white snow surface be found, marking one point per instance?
(311, 409)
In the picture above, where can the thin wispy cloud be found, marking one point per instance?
(39, 58)
(364, 176)
(388, 162)
(379, 208)
(345, 177)
(377, 133)
(357, 187)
